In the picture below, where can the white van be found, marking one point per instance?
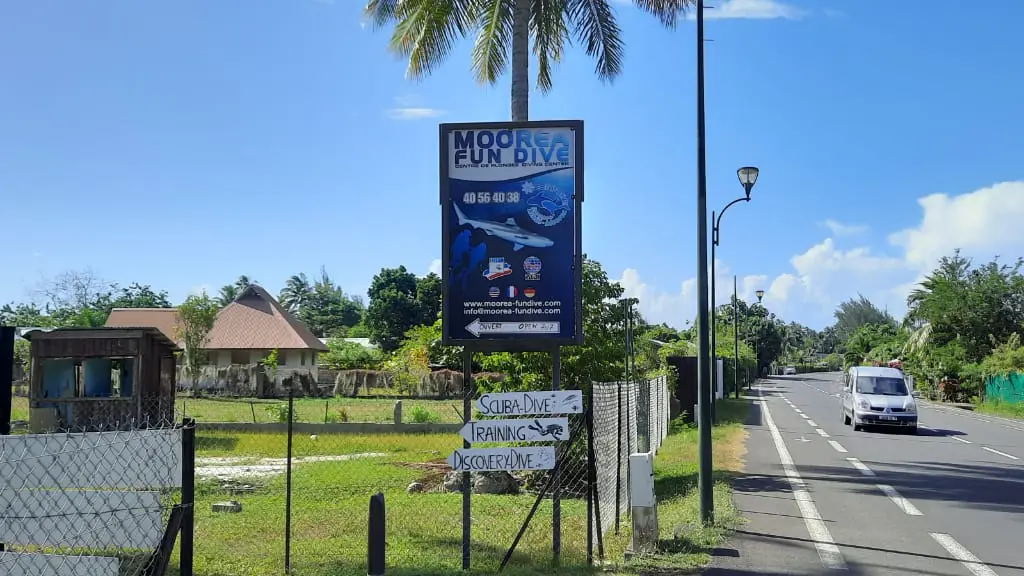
(877, 396)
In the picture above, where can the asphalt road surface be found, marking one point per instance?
(819, 498)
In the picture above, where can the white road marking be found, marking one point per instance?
(811, 422)
(829, 553)
(861, 467)
(994, 451)
(900, 502)
(798, 411)
(969, 561)
(805, 416)
(837, 446)
(959, 439)
(821, 433)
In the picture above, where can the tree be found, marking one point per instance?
(229, 292)
(857, 312)
(195, 320)
(428, 294)
(24, 316)
(296, 292)
(425, 33)
(327, 311)
(394, 308)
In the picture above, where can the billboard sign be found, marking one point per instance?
(511, 194)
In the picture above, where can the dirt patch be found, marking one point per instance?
(235, 467)
(432, 473)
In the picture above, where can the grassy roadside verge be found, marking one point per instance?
(1004, 409)
(685, 545)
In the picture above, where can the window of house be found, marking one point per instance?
(282, 358)
(239, 356)
(302, 358)
(313, 358)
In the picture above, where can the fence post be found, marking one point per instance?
(467, 486)
(594, 501)
(618, 456)
(288, 486)
(186, 551)
(6, 377)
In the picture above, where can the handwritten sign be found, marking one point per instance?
(507, 459)
(527, 430)
(530, 403)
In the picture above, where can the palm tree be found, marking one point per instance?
(227, 295)
(296, 292)
(426, 31)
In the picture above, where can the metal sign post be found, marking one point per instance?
(512, 280)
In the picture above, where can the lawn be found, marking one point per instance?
(330, 502)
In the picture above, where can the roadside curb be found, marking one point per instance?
(958, 410)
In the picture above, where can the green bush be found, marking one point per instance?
(420, 415)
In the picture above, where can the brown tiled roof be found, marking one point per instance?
(163, 319)
(255, 320)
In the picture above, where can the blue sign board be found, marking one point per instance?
(511, 194)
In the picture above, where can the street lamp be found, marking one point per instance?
(760, 295)
(748, 177)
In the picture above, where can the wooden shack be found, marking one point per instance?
(93, 379)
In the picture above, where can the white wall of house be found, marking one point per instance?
(288, 361)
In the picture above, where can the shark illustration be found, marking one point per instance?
(507, 230)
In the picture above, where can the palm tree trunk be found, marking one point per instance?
(521, 61)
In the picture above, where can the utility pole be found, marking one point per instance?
(704, 479)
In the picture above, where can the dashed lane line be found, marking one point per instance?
(830, 555)
(861, 467)
(821, 432)
(837, 446)
(900, 502)
(956, 550)
(811, 422)
(994, 451)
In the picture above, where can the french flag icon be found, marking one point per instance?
(512, 291)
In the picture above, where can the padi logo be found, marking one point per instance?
(499, 148)
(547, 205)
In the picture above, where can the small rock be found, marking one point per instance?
(414, 487)
(231, 506)
(452, 482)
(495, 483)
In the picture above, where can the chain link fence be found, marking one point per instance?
(94, 502)
(628, 417)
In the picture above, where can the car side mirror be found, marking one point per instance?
(916, 393)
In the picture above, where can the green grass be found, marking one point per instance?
(1004, 409)
(330, 502)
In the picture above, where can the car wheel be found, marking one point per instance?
(856, 427)
(846, 418)
(912, 430)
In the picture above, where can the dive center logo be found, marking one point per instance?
(531, 268)
(496, 268)
(547, 204)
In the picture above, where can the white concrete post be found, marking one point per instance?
(645, 508)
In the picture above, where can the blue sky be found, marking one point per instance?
(183, 143)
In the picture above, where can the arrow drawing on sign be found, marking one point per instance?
(476, 327)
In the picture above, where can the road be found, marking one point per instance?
(819, 498)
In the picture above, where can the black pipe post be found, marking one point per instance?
(6, 377)
(186, 549)
(713, 334)
(376, 536)
(707, 504)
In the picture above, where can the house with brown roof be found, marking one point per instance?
(244, 333)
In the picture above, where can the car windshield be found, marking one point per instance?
(881, 385)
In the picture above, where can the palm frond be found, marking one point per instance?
(426, 31)
(493, 40)
(550, 33)
(383, 12)
(594, 24)
(666, 11)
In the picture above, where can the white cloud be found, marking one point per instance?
(982, 224)
(753, 9)
(412, 108)
(435, 267)
(840, 229)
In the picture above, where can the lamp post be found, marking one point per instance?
(704, 395)
(748, 177)
(757, 340)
